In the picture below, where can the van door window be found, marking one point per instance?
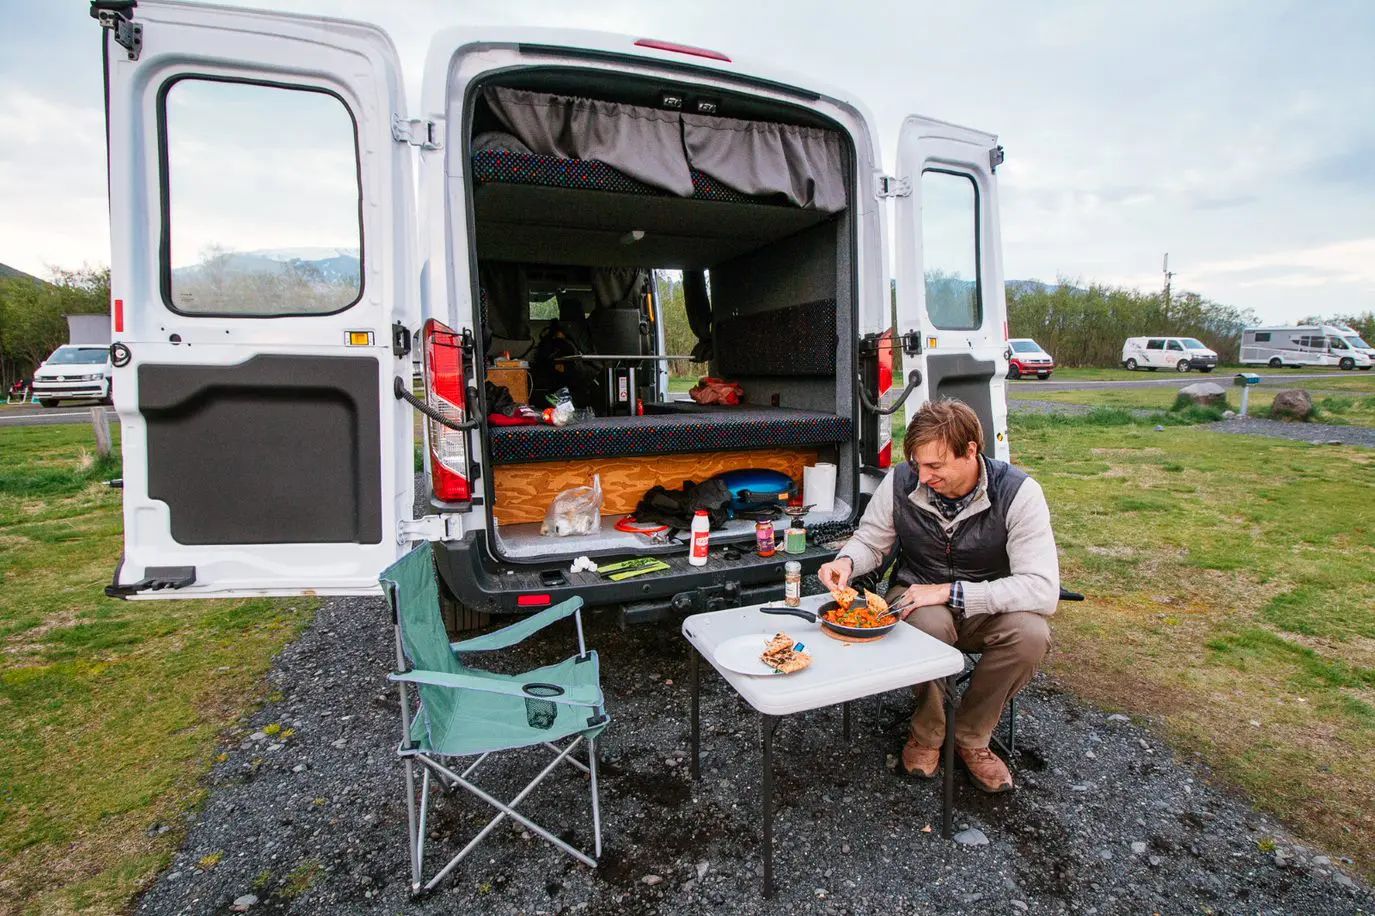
(1155, 345)
(950, 250)
(1174, 345)
(263, 209)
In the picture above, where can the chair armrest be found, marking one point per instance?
(571, 696)
(517, 632)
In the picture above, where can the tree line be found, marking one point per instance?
(32, 322)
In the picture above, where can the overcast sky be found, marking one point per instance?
(1238, 136)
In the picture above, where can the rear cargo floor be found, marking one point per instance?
(524, 541)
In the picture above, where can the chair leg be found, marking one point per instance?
(1012, 727)
(411, 835)
(596, 804)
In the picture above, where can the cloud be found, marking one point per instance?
(1350, 262)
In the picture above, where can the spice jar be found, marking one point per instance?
(792, 583)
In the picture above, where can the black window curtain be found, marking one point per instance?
(698, 305)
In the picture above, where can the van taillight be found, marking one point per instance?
(445, 392)
(885, 384)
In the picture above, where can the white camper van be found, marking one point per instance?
(1304, 345)
(1178, 353)
(275, 265)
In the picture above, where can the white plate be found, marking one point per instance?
(741, 654)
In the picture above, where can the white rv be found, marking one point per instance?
(1304, 345)
(275, 265)
(1178, 353)
(1356, 342)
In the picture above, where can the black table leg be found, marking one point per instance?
(845, 721)
(695, 678)
(767, 726)
(948, 751)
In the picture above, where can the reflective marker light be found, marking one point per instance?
(658, 45)
(534, 600)
(360, 338)
(886, 344)
(445, 392)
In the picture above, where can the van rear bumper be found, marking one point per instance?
(489, 586)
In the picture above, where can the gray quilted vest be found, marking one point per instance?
(975, 550)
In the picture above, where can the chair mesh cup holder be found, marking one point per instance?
(539, 712)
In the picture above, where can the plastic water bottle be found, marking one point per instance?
(701, 535)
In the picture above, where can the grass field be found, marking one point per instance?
(109, 711)
(1231, 600)
(1342, 398)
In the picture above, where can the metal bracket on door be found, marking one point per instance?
(888, 186)
(416, 132)
(118, 18)
(995, 158)
(430, 528)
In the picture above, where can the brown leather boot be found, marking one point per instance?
(986, 769)
(920, 761)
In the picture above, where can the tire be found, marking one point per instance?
(1182, 366)
(458, 617)
(1043, 375)
(1013, 371)
(49, 402)
(1347, 364)
(1131, 365)
(1276, 363)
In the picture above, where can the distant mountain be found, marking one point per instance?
(7, 272)
(330, 265)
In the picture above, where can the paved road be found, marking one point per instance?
(49, 416)
(1163, 379)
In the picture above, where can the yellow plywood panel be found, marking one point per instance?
(524, 491)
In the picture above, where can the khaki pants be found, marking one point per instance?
(1012, 645)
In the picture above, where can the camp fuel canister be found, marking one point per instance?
(792, 583)
(763, 537)
(795, 539)
(701, 534)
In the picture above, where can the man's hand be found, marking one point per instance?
(920, 596)
(836, 574)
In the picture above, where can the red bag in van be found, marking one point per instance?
(710, 390)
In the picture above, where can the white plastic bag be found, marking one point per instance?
(577, 510)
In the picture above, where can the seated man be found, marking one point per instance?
(976, 567)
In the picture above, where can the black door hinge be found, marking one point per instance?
(466, 342)
(995, 158)
(400, 340)
(118, 17)
(911, 343)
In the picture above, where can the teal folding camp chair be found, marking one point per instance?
(466, 712)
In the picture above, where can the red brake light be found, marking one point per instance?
(886, 343)
(445, 391)
(658, 45)
(534, 600)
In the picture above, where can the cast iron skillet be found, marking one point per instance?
(815, 616)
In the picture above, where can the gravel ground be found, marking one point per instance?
(1105, 820)
(1319, 433)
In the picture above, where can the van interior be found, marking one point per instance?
(583, 185)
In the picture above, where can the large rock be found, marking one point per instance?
(1292, 404)
(1208, 394)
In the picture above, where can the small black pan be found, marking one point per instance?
(815, 617)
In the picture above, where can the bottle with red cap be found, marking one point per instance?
(701, 534)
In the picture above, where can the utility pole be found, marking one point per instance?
(1168, 274)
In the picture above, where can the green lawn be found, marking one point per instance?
(110, 711)
(1118, 374)
(1230, 600)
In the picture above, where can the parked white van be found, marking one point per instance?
(273, 269)
(73, 373)
(1304, 345)
(1178, 353)
(1354, 340)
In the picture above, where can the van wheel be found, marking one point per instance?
(1013, 371)
(1182, 366)
(1276, 363)
(458, 617)
(1131, 365)
(1347, 363)
(48, 402)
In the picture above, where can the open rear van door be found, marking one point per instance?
(263, 286)
(949, 269)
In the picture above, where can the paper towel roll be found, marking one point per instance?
(819, 486)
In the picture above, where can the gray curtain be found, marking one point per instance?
(756, 157)
(508, 304)
(619, 287)
(644, 143)
(498, 139)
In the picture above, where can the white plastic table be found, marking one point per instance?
(840, 672)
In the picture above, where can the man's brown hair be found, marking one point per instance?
(945, 420)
